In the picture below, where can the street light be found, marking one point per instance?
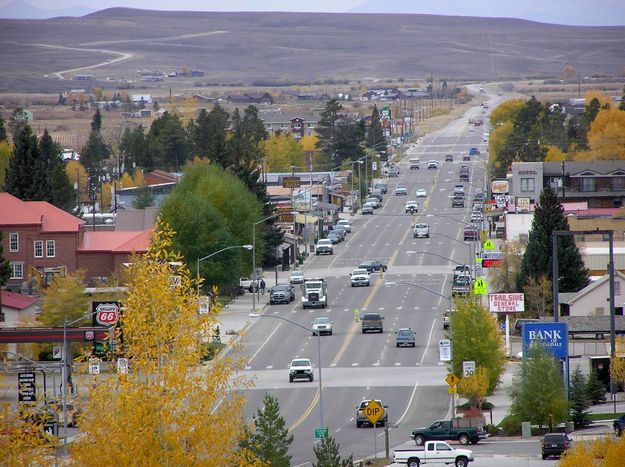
(199, 260)
(469, 244)
(256, 315)
(254, 288)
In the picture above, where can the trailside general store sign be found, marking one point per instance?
(506, 302)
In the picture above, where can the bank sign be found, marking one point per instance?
(553, 336)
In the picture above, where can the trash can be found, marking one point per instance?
(526, 430)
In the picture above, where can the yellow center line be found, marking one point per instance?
(306, 413)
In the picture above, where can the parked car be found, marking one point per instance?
(334, 237)
(367, 208)
(421, 230)
(375, 202)
(435, 452)
(373, 266)
(554, 444)
(422, 193)
(471, 232)
(457, 202)
(324, 247)
(346, 224)
(281, 293)
(362, 419)
(296, 277)
(405, 337)
(342, 229)
(400, 190)
(322, 325)
(619, 425)
(477, 217)
(383, 187)
(372, 322)
(300, 368)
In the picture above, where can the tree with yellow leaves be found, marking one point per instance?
(475, 387)
(282, 152)
(168, 410)
(607, 451)
(78, 176)
(606, 137)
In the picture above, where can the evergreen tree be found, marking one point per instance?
(3, 130)
(350, 135)
(578, 399)
(134, 146)
(270, 439)
(327, 454)
(143, 198)
(96, 121)
(327, 130)
(96, 150)
(169, 142)
(537, 259)
(595, 389)
(26, 176)
(62, 192)
(375, 134)
(209, 135)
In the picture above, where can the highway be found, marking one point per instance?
(356, 366)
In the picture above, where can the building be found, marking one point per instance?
(251, 98)
(17, 309)
(298, 124)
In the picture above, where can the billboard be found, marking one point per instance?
(553, 336)
(506, 302)
(499, 187)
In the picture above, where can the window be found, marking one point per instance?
(297, 125)
(38, 249)
(527, 184)
(14, 242)
(588, 184)
(17, 270)
(618, 183)
(50, 248)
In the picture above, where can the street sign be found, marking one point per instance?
(321, 433)
(452, 379)
(122, 366)
(479, 287)
(452, 390)
(57, 352)
(492, 255)
(106, 314)
(94, 366)
(444, 348)
(491, 263)
(468, 368)
(374, 411)
(553, 336)
(26, 389)
(489, 245)
(291, 182)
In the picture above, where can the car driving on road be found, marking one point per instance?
(405, 337)
(432, 164)
(324, 247)
(372, 322)
(281, 293)
(296, 277)
(367, 209)
(373, 266)
(360, 277)
(300, 368)
(411, 206)
(421, 193)
(322, 325)
(421, 230)
(361, 417)
(400, 190)
(449, 158)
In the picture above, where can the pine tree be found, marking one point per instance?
(96, 150)
(595, 389)
(143, 198)
(26, 176)
(375, 134)
(537, 259)
(208, 134)
(270, 439)
(62, 192)
(578, 399)
(328, 128)
(96, 122)
(327, 454)
(3, 130)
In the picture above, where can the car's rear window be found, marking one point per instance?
(555, 438)
(372, 316)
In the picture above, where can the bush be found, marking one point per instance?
(511, 425)
(211, 349)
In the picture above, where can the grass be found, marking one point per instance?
(605, 416)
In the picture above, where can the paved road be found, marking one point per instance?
(355, 365)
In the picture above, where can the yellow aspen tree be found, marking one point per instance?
(606, 137)
(607, 451)
(77, 174)
(309, 142)
(138, 179)
(600, 96)
(126, 181)
(475, 387)
(169, 410)
(555, 154)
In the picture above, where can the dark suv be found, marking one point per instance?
(372, 322)
(281, 293)
(619, 425)
(554, 444)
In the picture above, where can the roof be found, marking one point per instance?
(279, 116)
(592, 286)
(579, 324)
(115, 242)
(575, 168)
(156, 177)
(14, 212)
(17, 301)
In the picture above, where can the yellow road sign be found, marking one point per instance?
(374, 411)
(452, 390)
(489, 245)
(480, 287)
(452, 379)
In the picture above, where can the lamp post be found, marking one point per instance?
(199, 260)
(256, 315)
(469, 244)
(254, 288)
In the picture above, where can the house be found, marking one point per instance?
(251, 98)
(138, 99)
(17, 308)
(298, 124)
(42, 241)
(592, 300)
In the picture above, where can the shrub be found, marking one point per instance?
(511, 425)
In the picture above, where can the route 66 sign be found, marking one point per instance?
(107, 314)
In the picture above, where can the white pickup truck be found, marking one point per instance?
(435, 452)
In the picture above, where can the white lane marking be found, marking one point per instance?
(332, 364)
(397, 364)
(376, 364)
(269, 367)
(429, 339)
(414, 390)
(263, 345)
(354, 364)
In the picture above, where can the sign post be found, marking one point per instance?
(468, 368)
(374, 411)
(94, 366)
(444, 348)
(321, 433)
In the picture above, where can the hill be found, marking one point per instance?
(298, 47)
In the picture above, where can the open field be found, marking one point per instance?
(263, 48)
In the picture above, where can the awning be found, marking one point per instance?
(306, 219)
(326, 206)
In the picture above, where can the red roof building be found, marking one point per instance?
(16, 308)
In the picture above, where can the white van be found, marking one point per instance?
(414, 163)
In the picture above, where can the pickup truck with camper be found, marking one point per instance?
(435, 452)
(414, 163)
(444, 430)
(314, 293)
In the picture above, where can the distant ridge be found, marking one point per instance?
(20, 9)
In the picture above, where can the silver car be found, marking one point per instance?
(322, 325)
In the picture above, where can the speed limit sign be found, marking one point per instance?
(468, 369)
